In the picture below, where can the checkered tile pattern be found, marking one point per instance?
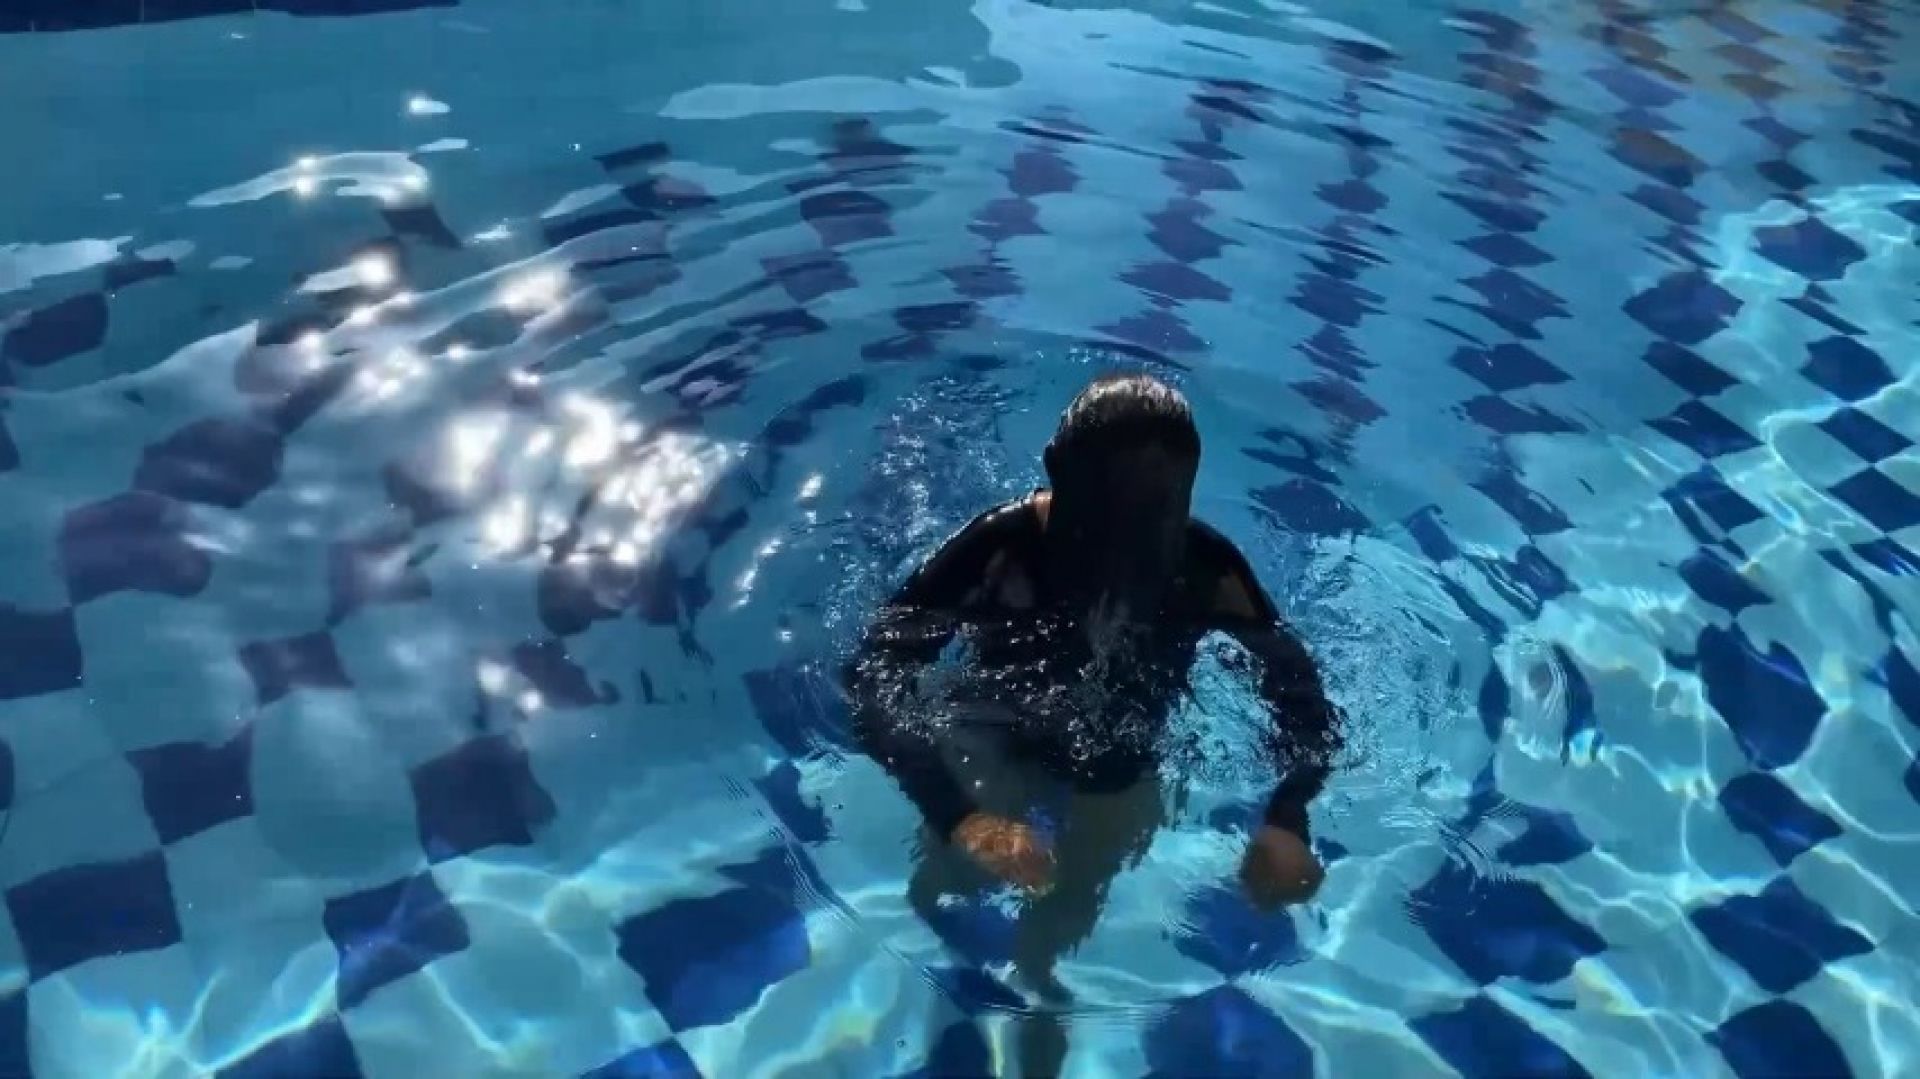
(346, 728)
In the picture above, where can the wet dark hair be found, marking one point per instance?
(1122, 412)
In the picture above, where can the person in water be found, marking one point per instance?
(1082, 605)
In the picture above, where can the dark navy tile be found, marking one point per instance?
(1901, 679)
(1515, 303)
(1846, 368)
(1485, 1041)
(1495, 927)
(1551, 837)
(562, 683)
(1156, 331)
(1535, 515)
(279, 667)
(780, 325)
(973, 991)
(421, 223)
(1867, 437)
(1760, 805)
(1430, 535)
(1809, 247)
(1636, 87)
(481, 795)
(1671, 203)
(131, 542)
(1176, 281)
(1332, 300)
(1004, 219)
(389, 932)
(1353, 196)
(1507, 249)
(1303, 506)
(224, 461)
(1040, 172)
(94, 911)
(1507, 367)
(799, 707)
(55, 333)
(781, 788)
(648, 153)
(15, 1061)
(1178, 233)
(961, 1052)
(1720, 584)
(1704, 431)
(573, 593)
(190, 787)
(986, 280)
(1878, 499)
(935, 317)
(1686, 307)
(9, 452)
(572, 228)
(1888, 557)
(130, 271)
(1223, 1031)
(1502, 416)
(319, 1051)
(1685, 369)
(707, 960)
(808, 277)
(1707, 492)
(665, 196)
(847, 217)
(1778, 1040)
(1499, 215)
(39, 652)
(9, 781)
(1221, 929)
(1780, 937)
(375, 569)
(667, 1060)
(1654, 155)
(1785, 175)
(1767, 701)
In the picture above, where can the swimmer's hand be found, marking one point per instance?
(1007, 849)
(1279, 869)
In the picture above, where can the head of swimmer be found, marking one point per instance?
(1121, 468)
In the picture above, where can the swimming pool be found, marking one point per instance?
(446, 447)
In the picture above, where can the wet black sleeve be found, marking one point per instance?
(907, 635)
(1306, 735)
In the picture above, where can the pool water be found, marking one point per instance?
(448, 447)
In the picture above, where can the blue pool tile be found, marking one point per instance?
(1551, 837)
(1303, 506)
(1767, 701)
(1846, 368)
(1482, 1040)
(1222, 929)
(1778, 1040)
(389, 932)
(224, 461)
(94, 911)
(1871, 440)
(1507, 367)
(1760, 805)
(321, 1050)
(58, 332)
(1494, 927)
(15, 1061)
(1223, 1031)
(190, 787)
(278, 667)
(1809, 247)
(1685, 369)
(1780, 937)
(481, 795)
(133, 542)
(39, 652)
(1879, 500)
(1685, 307)
(1706, 572)
(1704, 431)
(1819, 312)
(707, 960)
(666, 1060)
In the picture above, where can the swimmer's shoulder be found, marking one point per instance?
(990, 561)
(1222, 581)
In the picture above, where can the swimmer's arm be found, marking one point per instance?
(909, 634)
